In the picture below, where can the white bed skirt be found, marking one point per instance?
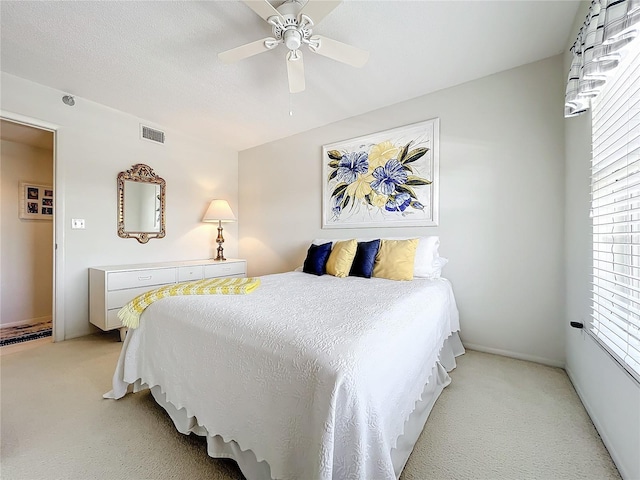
(254, 470)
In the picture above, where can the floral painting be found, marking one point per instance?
(384, 179)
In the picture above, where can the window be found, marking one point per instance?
(615, 204)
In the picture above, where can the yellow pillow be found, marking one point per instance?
(341, 258)
(395, 259)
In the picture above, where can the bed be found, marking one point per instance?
(312, 377)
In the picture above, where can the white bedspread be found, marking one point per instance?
(316, 375)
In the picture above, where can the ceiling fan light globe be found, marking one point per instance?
(292, 39)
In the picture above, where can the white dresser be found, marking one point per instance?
(112, 287)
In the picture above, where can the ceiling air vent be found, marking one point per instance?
(151, 134)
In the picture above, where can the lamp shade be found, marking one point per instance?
(219, 210)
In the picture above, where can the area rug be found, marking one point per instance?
(24, 333)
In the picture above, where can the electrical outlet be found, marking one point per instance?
(77, 223)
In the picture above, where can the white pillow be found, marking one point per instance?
(428, 262)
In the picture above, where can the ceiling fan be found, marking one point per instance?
(292, 26)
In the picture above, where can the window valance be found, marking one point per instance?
(609, 27)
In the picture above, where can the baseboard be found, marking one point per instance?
(598, 425)
(516, 355)
(46, 318)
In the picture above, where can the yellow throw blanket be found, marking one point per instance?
(130, 313)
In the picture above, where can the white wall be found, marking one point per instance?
(94, 143)
(501, 197)
(611, 397)
(26, 257)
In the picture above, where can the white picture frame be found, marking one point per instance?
(385, 179)
(36, 201)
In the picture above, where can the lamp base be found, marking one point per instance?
(220, 241)
(220, 256)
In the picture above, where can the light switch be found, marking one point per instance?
(77, 223)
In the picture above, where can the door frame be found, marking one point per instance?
(57, 309)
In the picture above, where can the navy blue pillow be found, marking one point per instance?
(362, 265)
(316, 261)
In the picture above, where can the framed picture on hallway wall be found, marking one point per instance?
(36, 201)
(385, 179)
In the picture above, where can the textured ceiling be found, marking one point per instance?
(158, 60)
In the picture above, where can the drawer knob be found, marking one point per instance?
(145, 278)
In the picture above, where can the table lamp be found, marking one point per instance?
(219, 211)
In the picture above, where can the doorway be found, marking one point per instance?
(27, 245)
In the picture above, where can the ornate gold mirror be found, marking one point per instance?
(141, 204)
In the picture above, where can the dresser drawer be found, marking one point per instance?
(112, 319)
(190, 273)
(140, 278)
(224, 270)
(119, 298)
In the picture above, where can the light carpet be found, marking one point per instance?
(499, 419)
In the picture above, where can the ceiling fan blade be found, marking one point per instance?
(244, 51)
(262, 8)
(295, 71)
(318, 9)
(338, 51)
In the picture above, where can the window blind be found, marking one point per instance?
(615, 212)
